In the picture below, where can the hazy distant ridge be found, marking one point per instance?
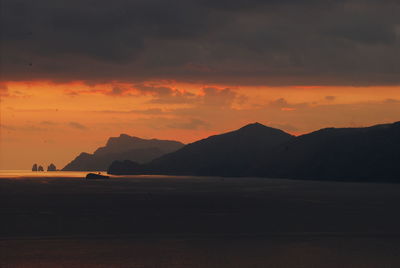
(123, 147)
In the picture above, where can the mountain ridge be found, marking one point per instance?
(356, 154)
(123, 147)
(216, 155)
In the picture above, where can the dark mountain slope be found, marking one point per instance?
(371, 153)
(125, 143)
(123, 147)
(229, 154)
(353, 154)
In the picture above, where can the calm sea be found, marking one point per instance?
(32, 174)
(27, 174)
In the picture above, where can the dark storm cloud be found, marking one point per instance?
(286, 42)
(166, 95)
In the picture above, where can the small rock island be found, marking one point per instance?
(34, 167)
(94, 176)
(52, 167)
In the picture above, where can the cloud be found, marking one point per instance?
(155, 90)
(235, 42)
(4, 91)
(283, 105)
(48, 123)
(330, 98)
(219, 97)
(118, 91)
(279, 103)
(22, 128)
(391, 101)
(209, 96)
(192, 124)
(77, 125)
(154, 111)
(160, 94)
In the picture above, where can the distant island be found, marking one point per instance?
(124, 147)
(51, 167)
(354, 154)
(35, 167)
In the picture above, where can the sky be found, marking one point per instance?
(74, 73)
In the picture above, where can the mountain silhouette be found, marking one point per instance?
(229, 154)
(123, 147)
(353, 154)
(371, 153)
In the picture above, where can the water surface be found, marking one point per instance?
(173, 221)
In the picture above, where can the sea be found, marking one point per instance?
(57, 219)
(45, 174)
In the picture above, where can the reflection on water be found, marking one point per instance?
(35, 174)
(27, 174)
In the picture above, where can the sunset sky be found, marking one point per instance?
(73, 73)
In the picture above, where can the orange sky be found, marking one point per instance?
(45, 122)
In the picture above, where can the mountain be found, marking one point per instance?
(123, 147)
(229, 154)
(352, 154)
(365, 154)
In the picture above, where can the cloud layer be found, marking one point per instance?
(247, 42)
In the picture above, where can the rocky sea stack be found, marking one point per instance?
(35, 167)
(51, 167)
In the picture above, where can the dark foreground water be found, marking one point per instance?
(263, 252)
(160, 221)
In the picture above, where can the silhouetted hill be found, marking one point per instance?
(123, 143)
(123, 147)
(229, 154)
(354, 154)
(371, 153)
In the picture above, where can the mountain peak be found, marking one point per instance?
(122, 138)
(123, 147)
(125, 136)
(258, 127)
(254, 126)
